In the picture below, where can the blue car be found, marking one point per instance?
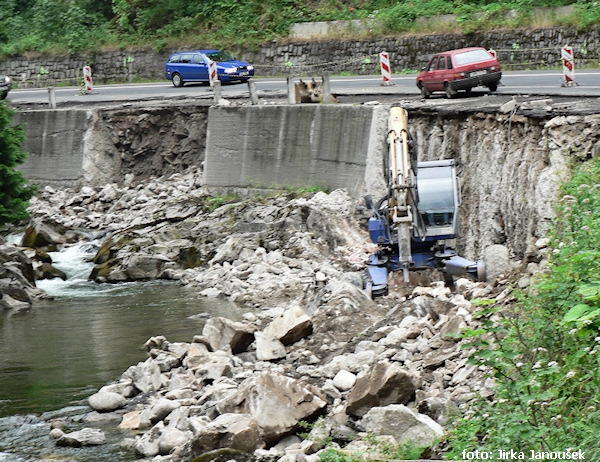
(192, 66)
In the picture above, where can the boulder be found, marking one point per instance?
(47, 271)
(217, 365)
(497, 261)
(172, 438)
(43, 233)
(439, 409)
(384, 383)
(404, 424)
(222, 333)
(277, 403)
(344, 380)
(84, 437)
(229, 251)
(292, 325)
(268, 348)
(158, 411)
(233, 431)
(143, 267)
(148, 444)
(145, 376)
(19, 261)
(106, 401)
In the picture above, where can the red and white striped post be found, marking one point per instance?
(87, 77)
(213, 75)
(566, 54)
(384, 60)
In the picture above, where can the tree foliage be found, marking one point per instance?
(14, 191)
(73, 25)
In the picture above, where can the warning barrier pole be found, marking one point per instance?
(87, 77)
(384, 60)
(566, 54)
(213, 75)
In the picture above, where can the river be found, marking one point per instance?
(57, 353)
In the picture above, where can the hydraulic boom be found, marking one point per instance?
(418, 215)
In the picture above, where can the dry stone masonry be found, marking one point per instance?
(517, 49)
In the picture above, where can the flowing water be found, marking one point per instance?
(56, 354)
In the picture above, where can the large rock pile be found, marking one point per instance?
(312, 346)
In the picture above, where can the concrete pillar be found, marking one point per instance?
(327, 98)
(217, 89)
(51, 98)
(252, 91)
(291, 90)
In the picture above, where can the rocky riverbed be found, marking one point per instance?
(314, 356)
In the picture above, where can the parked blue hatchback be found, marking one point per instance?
(192, 66)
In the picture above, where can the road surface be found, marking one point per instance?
(534, 83)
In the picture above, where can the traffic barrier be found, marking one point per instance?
(87, 77)
(213, 75)
(566, 54)
(384, 60)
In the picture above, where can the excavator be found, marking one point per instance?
(414, 222)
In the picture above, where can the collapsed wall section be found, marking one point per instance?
(510, 166)
(102, 145)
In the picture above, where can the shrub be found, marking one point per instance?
(544, 353)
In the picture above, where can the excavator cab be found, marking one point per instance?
(438, 199)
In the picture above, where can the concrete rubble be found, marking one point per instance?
(311, 349)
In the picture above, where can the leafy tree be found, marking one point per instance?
(14, 192)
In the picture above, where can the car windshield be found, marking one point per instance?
(472, 56)
(219, 56)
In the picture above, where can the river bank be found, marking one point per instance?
(310, 346)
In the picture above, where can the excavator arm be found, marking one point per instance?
(411, 230)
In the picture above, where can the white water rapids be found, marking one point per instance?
(55, 355)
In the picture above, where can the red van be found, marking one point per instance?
(461, 69)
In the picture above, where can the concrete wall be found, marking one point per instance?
(295, 146)
(241, 147)
(55, 143)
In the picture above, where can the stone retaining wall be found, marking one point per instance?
(517, 49)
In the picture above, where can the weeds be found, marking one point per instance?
(544, 353)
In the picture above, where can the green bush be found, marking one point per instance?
(544, 353)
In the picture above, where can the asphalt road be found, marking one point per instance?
(534, 83)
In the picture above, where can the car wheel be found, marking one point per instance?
(177, 80)
(450, 91)
(493, 87)
(425, 93)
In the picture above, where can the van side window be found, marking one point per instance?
(449, 62)
(187, 58)
(197, 59)
(174, 59)
(442, 63)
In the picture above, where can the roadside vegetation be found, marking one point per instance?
(544, 353)
(66, 26)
